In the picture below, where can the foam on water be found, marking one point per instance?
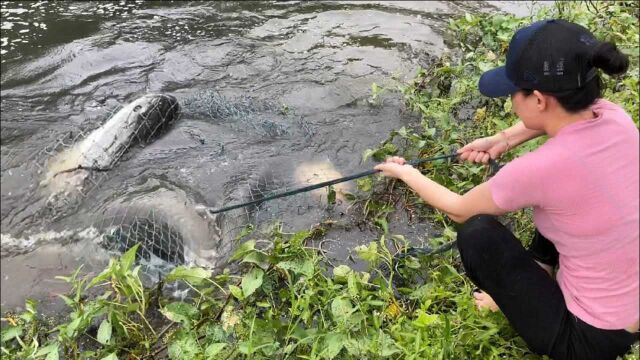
(10, 245)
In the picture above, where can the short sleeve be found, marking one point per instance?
(519, 184)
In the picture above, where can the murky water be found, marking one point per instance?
(66, 66)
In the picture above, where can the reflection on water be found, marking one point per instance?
(28, 27)
(66, 65)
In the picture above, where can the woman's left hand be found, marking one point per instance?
(394, 167)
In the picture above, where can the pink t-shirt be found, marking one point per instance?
(583, 187)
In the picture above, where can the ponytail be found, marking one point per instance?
(611, 61)
(607, 57)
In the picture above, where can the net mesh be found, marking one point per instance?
(244, 113)
(155, 236)
(77, 163)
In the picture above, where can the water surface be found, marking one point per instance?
(297, 74)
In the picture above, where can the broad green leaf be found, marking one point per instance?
(74, 276)
(412, 263)
(251, 281)
(243, 347)
(341, 309)
(103, 276)
(368, 253)
(30, 305)
(111, 356)
(236, 291)
(364, 277)
(246, 231)
(389, 149)
(243, 249)
(367, 154)
(449, 234)
(213, 349)
(299, 266)
(46, 350)
(484, 66)
(500, 123)
(104, 332)
(27, 316)
(184, 348)
(424, 319)
(450, 272)
(332, 345)
(357, 346)
(116, 323)
(383, 224)
(340, 273)
(54, 355)
(129, 257)
(180, 312)
(194, 275)
(388, 346)
(257, 258)
(73, 325)
(365, 184)
(352, 285)
(134, 306)
(67, 300)
(298, 238)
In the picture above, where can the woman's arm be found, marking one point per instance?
(518, 134)
(492, 147)
(458, 207)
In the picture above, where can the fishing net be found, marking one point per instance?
(78, 162)
(243, 113)
(183, 230)
(157, 239)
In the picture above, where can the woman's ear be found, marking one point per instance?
(541, 100)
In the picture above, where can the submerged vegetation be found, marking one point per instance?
(284, 299)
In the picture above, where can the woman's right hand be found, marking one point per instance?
(483, 149)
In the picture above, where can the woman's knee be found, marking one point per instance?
(476, 229)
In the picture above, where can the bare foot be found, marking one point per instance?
(484, 301)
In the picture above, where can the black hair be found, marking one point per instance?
(605, 56)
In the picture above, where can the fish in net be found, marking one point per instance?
(156, 238)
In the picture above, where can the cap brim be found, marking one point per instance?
(495, 83)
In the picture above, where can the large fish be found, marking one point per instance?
(138, 122)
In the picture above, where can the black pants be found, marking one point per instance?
(497, 263)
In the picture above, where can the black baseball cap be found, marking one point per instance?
(551, 56)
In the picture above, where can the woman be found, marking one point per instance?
(582, 185)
